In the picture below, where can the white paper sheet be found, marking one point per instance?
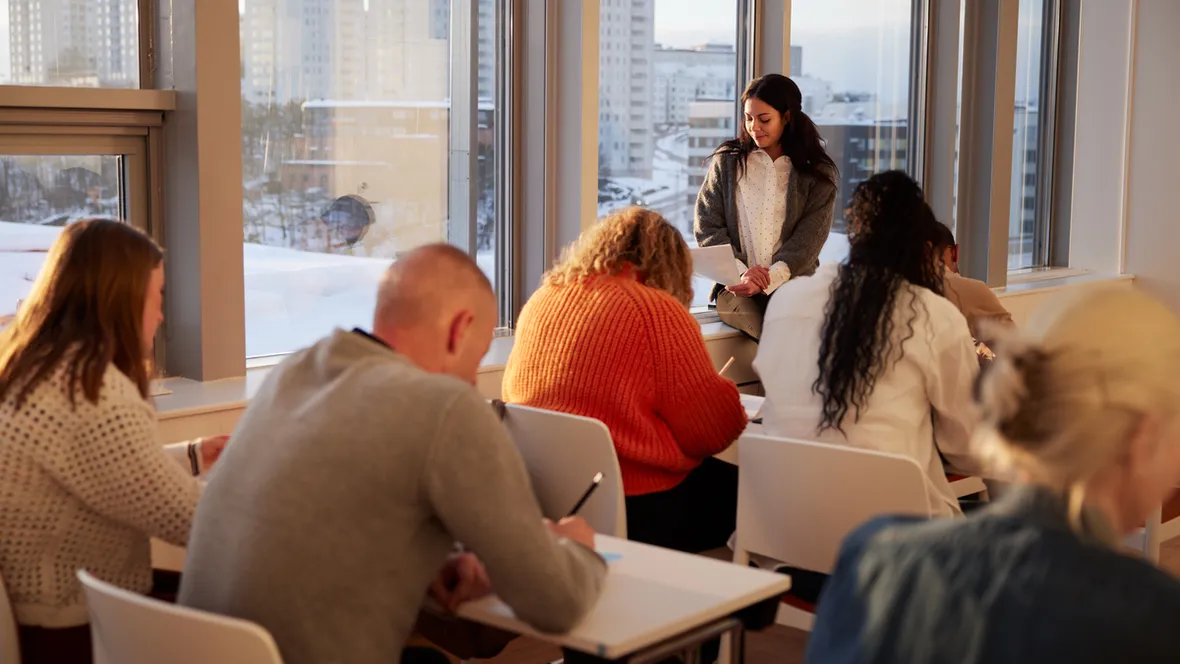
(753, 405)
(716, 264)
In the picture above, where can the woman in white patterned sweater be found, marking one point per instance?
(83, 483)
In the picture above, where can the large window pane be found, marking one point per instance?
(1022, 220)
(81, 43)
(39, 194)
(667, 85)
(485, 182)
(346, 117)
(851, 59)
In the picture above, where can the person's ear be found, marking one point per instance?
(1144, 444)
(458, 330)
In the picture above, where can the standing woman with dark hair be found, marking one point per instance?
(769, 194)
(83, 482)
(868, 353)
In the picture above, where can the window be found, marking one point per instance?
(44, 186)
(862, 111)
(345, 168)
(652, 158)
(92, 44)
(1023, 240)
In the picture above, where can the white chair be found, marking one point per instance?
(798, 500)
(9, 646)
(1147, 539)
(127, 628)
(562, 453)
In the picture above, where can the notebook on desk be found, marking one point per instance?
(753, 405)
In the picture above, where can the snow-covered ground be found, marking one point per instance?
(292, 297)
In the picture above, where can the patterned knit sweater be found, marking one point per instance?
(84, 487)
(631, 356)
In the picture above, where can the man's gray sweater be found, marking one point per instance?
(342, 491)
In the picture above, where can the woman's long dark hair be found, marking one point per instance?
(891, 234)
(801, 141)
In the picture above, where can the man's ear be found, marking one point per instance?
(457, 330)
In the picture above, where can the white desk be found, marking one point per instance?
(730, 454)
(652, 595)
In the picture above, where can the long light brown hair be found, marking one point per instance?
(86, 308)
(632, 238)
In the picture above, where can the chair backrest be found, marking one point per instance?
(562, 453)
(127, 628)
(798, 500)
(9, 646)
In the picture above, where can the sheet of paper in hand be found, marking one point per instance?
(716, 263)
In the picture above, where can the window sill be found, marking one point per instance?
(96, 99)
(1043, 281)
(190, 397)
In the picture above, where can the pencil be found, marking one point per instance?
(726, 367)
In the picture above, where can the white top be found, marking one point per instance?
(762, 210)
(84, 487)
(651, 595)
(920, 405)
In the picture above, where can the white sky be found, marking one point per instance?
(853, 44)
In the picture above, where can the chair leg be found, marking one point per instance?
(741, 556)
(1151, 536)
(793, 617)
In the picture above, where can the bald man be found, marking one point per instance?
(357, 467)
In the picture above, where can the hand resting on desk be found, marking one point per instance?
(462, 579)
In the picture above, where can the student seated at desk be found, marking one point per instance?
(609, 336)
(1082, 408)
(978, 303)
(358, 466)
(868, 353)
(83, 482)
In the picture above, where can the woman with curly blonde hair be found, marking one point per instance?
(609, 336)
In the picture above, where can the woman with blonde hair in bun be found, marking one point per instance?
(1082, 411)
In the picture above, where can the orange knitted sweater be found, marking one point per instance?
(631, 356)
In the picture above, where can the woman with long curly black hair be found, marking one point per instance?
(769, 194)
(868, 353)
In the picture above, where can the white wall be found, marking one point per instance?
(1104, 58)
(1153, 210)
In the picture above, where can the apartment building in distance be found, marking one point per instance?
(77, 43)
(625, 52)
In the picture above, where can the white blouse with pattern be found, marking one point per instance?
(762, 209)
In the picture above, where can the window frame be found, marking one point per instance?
(135, 135)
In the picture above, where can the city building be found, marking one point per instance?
(89, 43)
(861, 149)
(295, 50)
(683, 76)
(626, 46)
(440, 28)
(710, 123)
(1023, 213)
